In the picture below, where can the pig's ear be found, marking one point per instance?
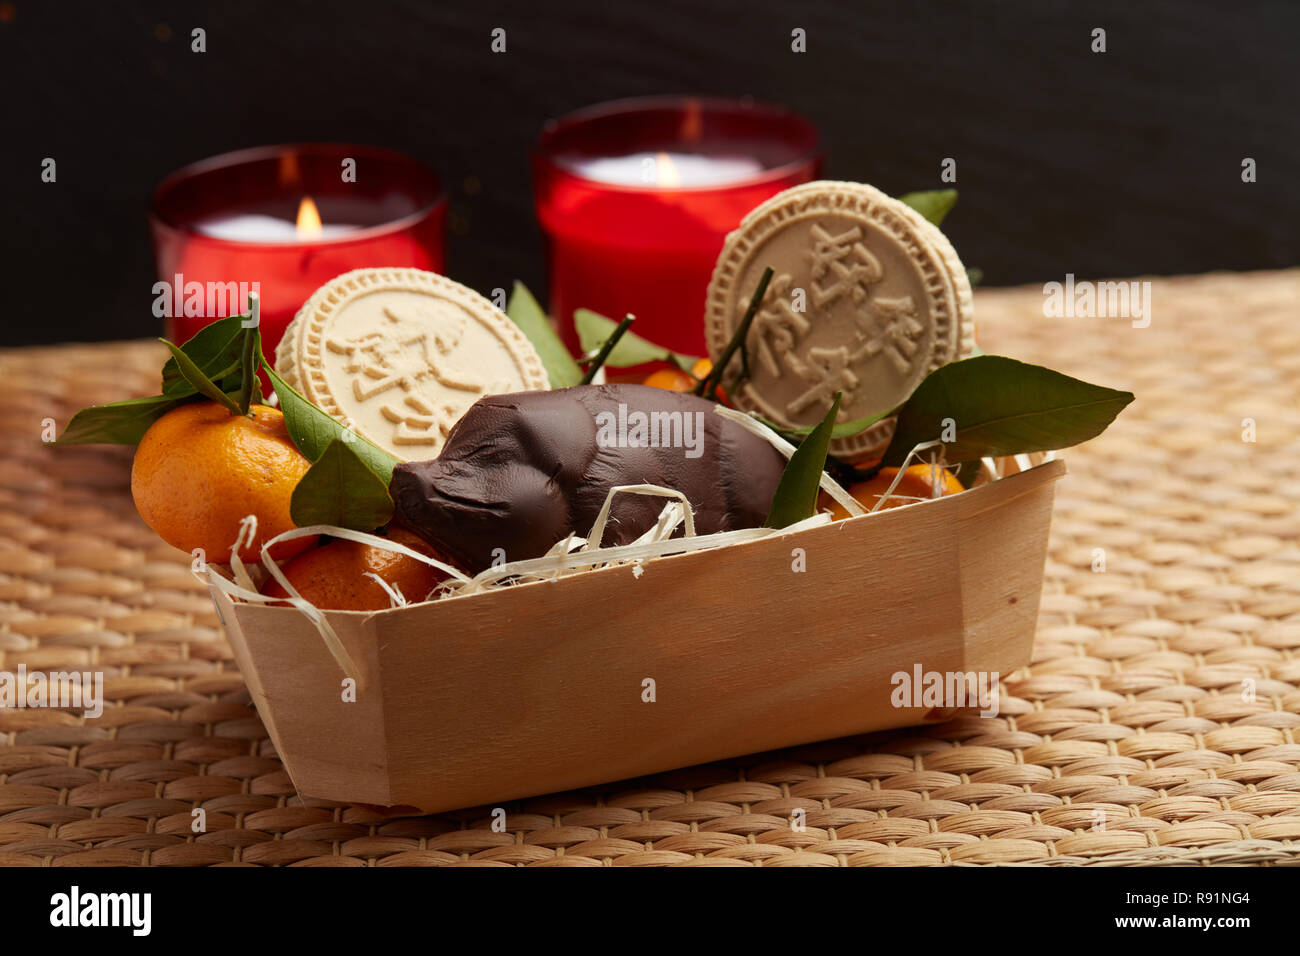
(561, 426)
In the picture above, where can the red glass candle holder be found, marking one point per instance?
(636, 197)
(228, 224)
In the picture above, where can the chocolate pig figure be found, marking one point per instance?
(519, 472)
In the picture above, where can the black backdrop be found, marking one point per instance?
(1113, 164)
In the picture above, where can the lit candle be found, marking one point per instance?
(669, 170)
(285, 220)
(636, 197)
(257, 227)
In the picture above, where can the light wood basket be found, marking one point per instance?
(542, 687)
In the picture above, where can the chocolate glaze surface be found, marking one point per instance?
(521, 471)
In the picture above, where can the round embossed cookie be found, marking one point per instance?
(401, 354)
(866, 299)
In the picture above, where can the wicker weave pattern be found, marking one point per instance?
(1132, 710)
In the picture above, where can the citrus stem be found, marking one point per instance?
(605, 349)
(708, 387)
(200, 382)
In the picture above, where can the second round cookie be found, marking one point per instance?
(867, 298)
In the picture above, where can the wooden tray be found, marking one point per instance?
(540, 687)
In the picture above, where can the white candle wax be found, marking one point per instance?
(667, 169)
(254, 227)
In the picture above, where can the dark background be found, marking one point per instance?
(1114, 164)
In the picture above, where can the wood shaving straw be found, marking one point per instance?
(598, 529)
(902, 470)
(395, 596)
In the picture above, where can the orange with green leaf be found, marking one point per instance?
(200, 470)
(213, 463)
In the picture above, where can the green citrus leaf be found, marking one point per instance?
(340, 489)
(215, 349)
(312, 431)
(933, 204)
(524, 311)
(118, 423)
(249, 385)
(208, 366)
(198, 381)
(796, 493)
(998, 406)
(594, 328)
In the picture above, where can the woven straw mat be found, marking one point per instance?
(1132, 711)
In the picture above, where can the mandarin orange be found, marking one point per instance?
(199, 470)
(672, 379)
(676, 380)
(917, 482)
(334, 576)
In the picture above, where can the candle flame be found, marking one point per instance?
(309, 224)
(666, 171)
